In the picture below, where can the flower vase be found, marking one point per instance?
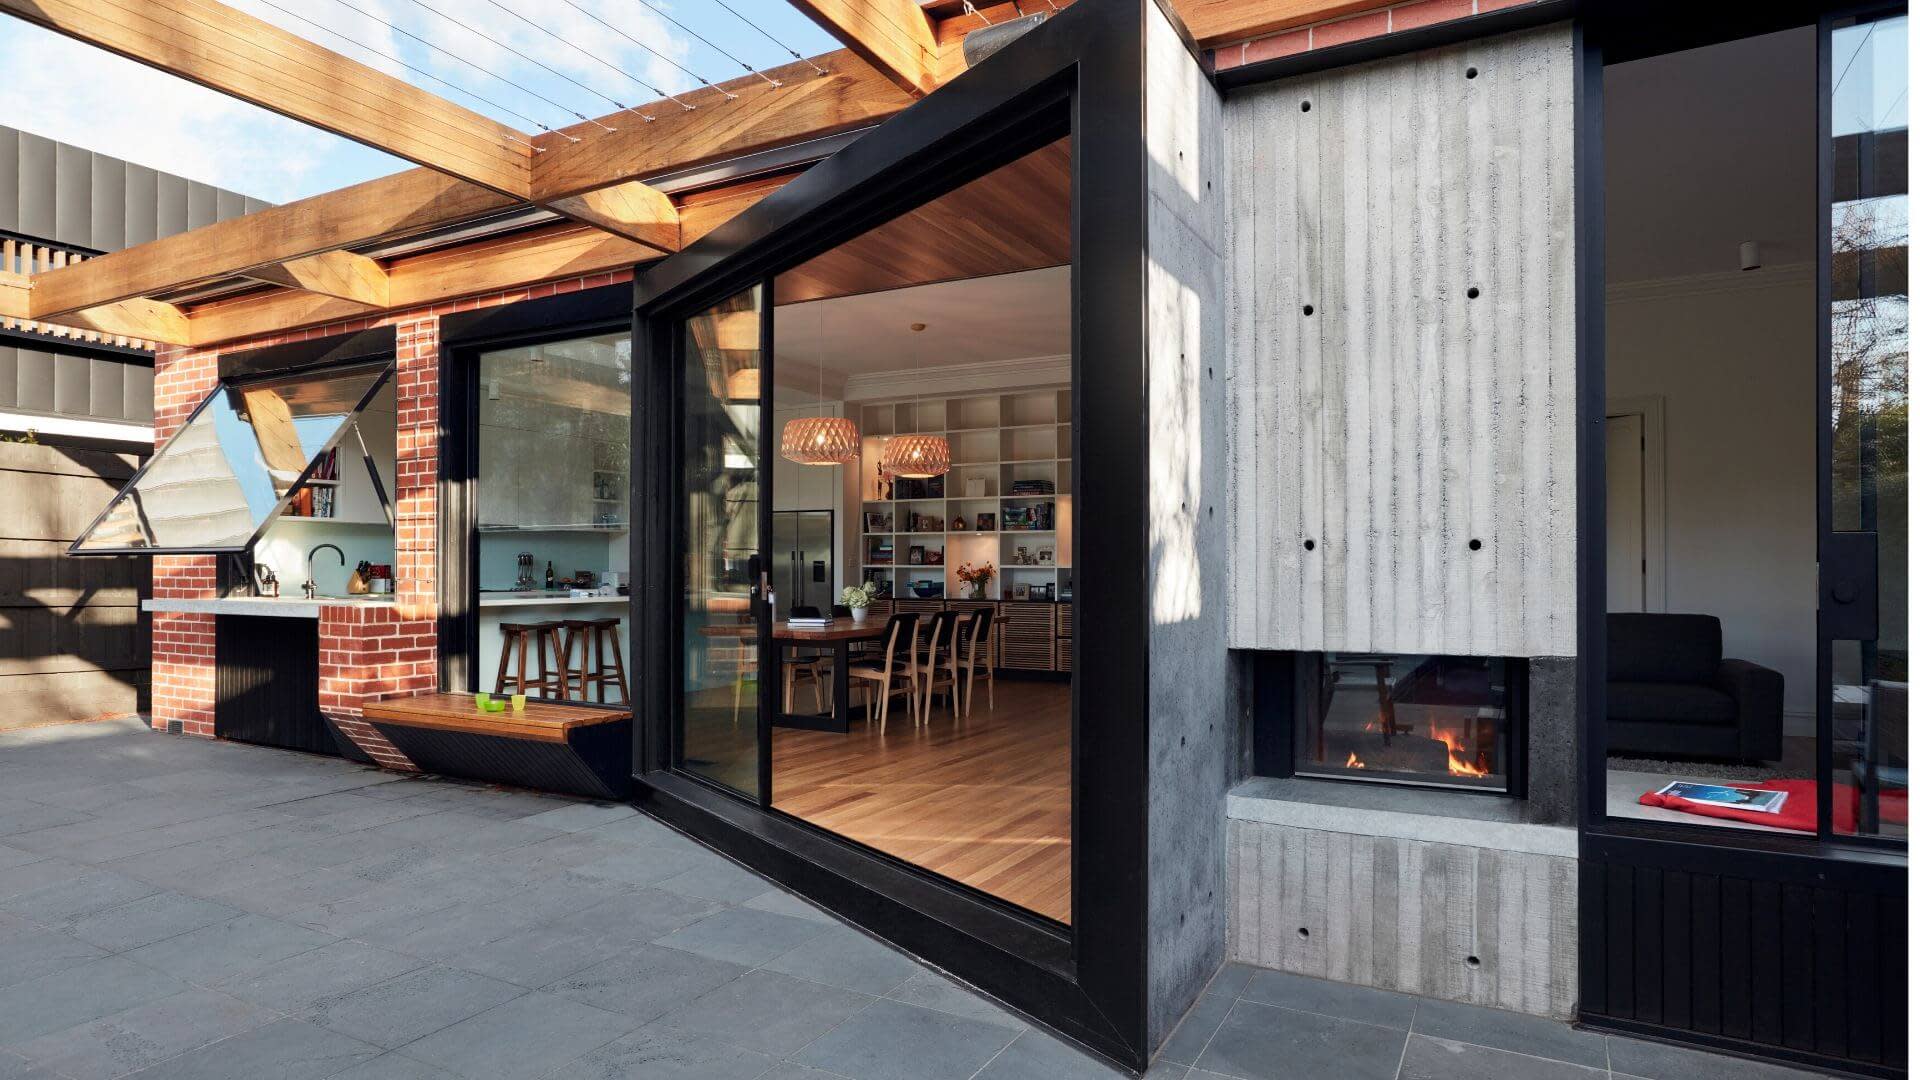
(977, 590)
(859, 615)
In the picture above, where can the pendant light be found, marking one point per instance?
(916, 457)
(820, 440)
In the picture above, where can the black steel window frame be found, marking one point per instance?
(1080, 73)
(1281, 700)
(464, 336)
(1634, 33)
(1624, 933)
(238, 377)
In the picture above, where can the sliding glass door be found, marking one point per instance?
(722, 544)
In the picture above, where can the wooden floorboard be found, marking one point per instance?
(983, 800)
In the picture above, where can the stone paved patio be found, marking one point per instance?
(178, 908)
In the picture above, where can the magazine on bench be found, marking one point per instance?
(1758, 800)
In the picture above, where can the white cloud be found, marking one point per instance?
(117, 107)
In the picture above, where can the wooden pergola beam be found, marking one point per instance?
(758, 118)
(633, 210)
(137, 318)
(742, 116)
(895, 36)
(230, 51)
(339, 274)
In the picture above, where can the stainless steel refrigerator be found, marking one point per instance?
(802, 551)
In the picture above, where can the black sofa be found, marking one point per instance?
(1670, 693)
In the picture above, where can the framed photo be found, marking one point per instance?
(937, 557)
(1046, 556)
(879, 523)
(1020, 592)
(916, 555)
(983, 522)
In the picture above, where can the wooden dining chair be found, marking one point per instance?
(891, 672)
(942, 667)
(814, 666)
(979, 659)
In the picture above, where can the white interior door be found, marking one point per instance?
(1626, 513)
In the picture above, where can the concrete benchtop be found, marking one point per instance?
(285, 607)
(1439, 817)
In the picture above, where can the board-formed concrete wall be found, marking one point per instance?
(1188, 722)
(1424, 218)
(1447, 920)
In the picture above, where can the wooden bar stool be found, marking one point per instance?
(594, 671)
(551, 681)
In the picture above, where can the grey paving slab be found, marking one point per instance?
(281, 895)
(1196, 1029)
(287, 1049)
(145, 1034)
(641, 914)
(147, 920)
(1036, 1056)
(782, 902)
(1515, 1032)
(1439, 1059)
(333, 970)
(743, 936)
(220, 877)
(22, 817)
(654, 1053)
(643, 864)
(450, 931)
(78, 995)
(716, 879)
(576, 816)
(931, 990)
(77, 896)
(536, 957)
(646, 981)
(1382, 1007)
(1231, 980)
(393, 1065)
(399, 1010)
(890, 1040)
(228, 950)
(1265, 1042)
(14, 1067)
(11, 856)
(849, 959)
(40, 873)
(765, 1011)
(1662, 1061)
(528, 1036)
(31, 950)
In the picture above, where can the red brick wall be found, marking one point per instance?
(365, 652)
(1367, 24)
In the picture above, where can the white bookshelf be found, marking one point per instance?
(999, 442)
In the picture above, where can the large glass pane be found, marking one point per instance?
(1869, 411)
(551, 503)
(226, 472)
(923, 400)
(720, 534)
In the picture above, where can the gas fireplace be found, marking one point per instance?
(1443, 721)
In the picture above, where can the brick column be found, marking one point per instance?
(369, 652)
(182, 644)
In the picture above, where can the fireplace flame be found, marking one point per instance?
(1354, 762)
(1457, 764)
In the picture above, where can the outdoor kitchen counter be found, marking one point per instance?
(286, 607)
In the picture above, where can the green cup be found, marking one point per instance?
(480, 700)
(519, 702)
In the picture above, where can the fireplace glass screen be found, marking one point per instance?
(1430, 720)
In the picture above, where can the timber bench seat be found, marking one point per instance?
(577, 749)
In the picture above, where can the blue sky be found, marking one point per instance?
(118, 107)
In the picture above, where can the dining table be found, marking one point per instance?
(836, 634)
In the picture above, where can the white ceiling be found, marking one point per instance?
(974, 321)
(1707, 148)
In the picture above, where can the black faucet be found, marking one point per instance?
(308, 588)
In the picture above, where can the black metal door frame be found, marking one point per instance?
(1081, 73)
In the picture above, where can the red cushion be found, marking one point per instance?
(1801, 811)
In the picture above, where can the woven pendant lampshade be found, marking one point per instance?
(820, 440)
(744, 385)
(916, 457)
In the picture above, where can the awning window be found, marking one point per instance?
(233, 466)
